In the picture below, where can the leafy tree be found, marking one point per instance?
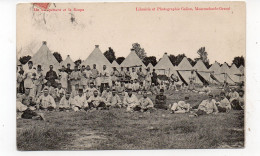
(192, 62)
(176, 59)
(57, 56)
(25, 59)
(139, 51)
(119, 60)
(238, 61)
(110, 55)
(203, 55)
(78, 62)
(150, 59)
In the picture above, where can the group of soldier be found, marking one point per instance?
(86, 89)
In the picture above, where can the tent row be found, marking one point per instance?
(215, 74)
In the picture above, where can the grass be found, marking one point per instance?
(116, 129)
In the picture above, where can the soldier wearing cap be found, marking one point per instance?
(113, 100)
(146, 103)
(78, 100)
(207, 106)
(181, 106)
(160, 100)
(45, 101)
(130, 101)
(65, 102)
(96, 102)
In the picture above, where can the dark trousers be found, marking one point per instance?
(28, 114)
(221, 109)
(201, 112)
(160, 106)
(236, 105)
(102, 86)
(50, 108)
(101, 104)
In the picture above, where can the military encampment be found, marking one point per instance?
(114, 78)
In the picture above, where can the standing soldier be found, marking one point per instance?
(95, 74)
(29, 76)
(74, 78)
(104, 76)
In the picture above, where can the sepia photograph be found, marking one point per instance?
(130, 76)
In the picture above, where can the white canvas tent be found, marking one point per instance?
(97, 57)
(150, 66)
(241, 68)
(164, 66)
(203, 71)
(45, 58)
(184, 68)
(215, 68)
(66, 61)
(223, 74)
(115, 64)
(132, 60)
(235, 73)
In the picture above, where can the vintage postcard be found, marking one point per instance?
(133, 75)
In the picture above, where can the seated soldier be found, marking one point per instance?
(90, 90)
(160, 100)
(233, 95)
(59, 92)
(75, 91)
(181, 106)
(191, 86)
(96, 102)
(135, 86)
(28, 97)
(207, 106)
(184, 87)
(113, 100)
(141, 88)
(46, 101)
(106, 93)
(130, 85)
(66, 102)
(238, 104)
(205, 89)
(50, 89)
(222, 103)
(154, 89)
(121, 89)
(130, 101)
(78, 101)
(25, 112)
(145, 103)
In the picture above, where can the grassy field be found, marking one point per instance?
(116, 129)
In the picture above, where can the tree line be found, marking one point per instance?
(175, 60)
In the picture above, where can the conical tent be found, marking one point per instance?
(241, 68)
(234, 70)
(224, 68)
(68, 60)
(164, 66)
(184, 71)
(132, 60)
(150, 66)
(115, 64)
(45, 58)
(235, 73)
(203, 71)
(215, 68)
(97, 57)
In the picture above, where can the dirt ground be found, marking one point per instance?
(117, 129)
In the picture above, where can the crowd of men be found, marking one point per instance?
(88, 89)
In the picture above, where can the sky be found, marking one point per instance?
(119, 25)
